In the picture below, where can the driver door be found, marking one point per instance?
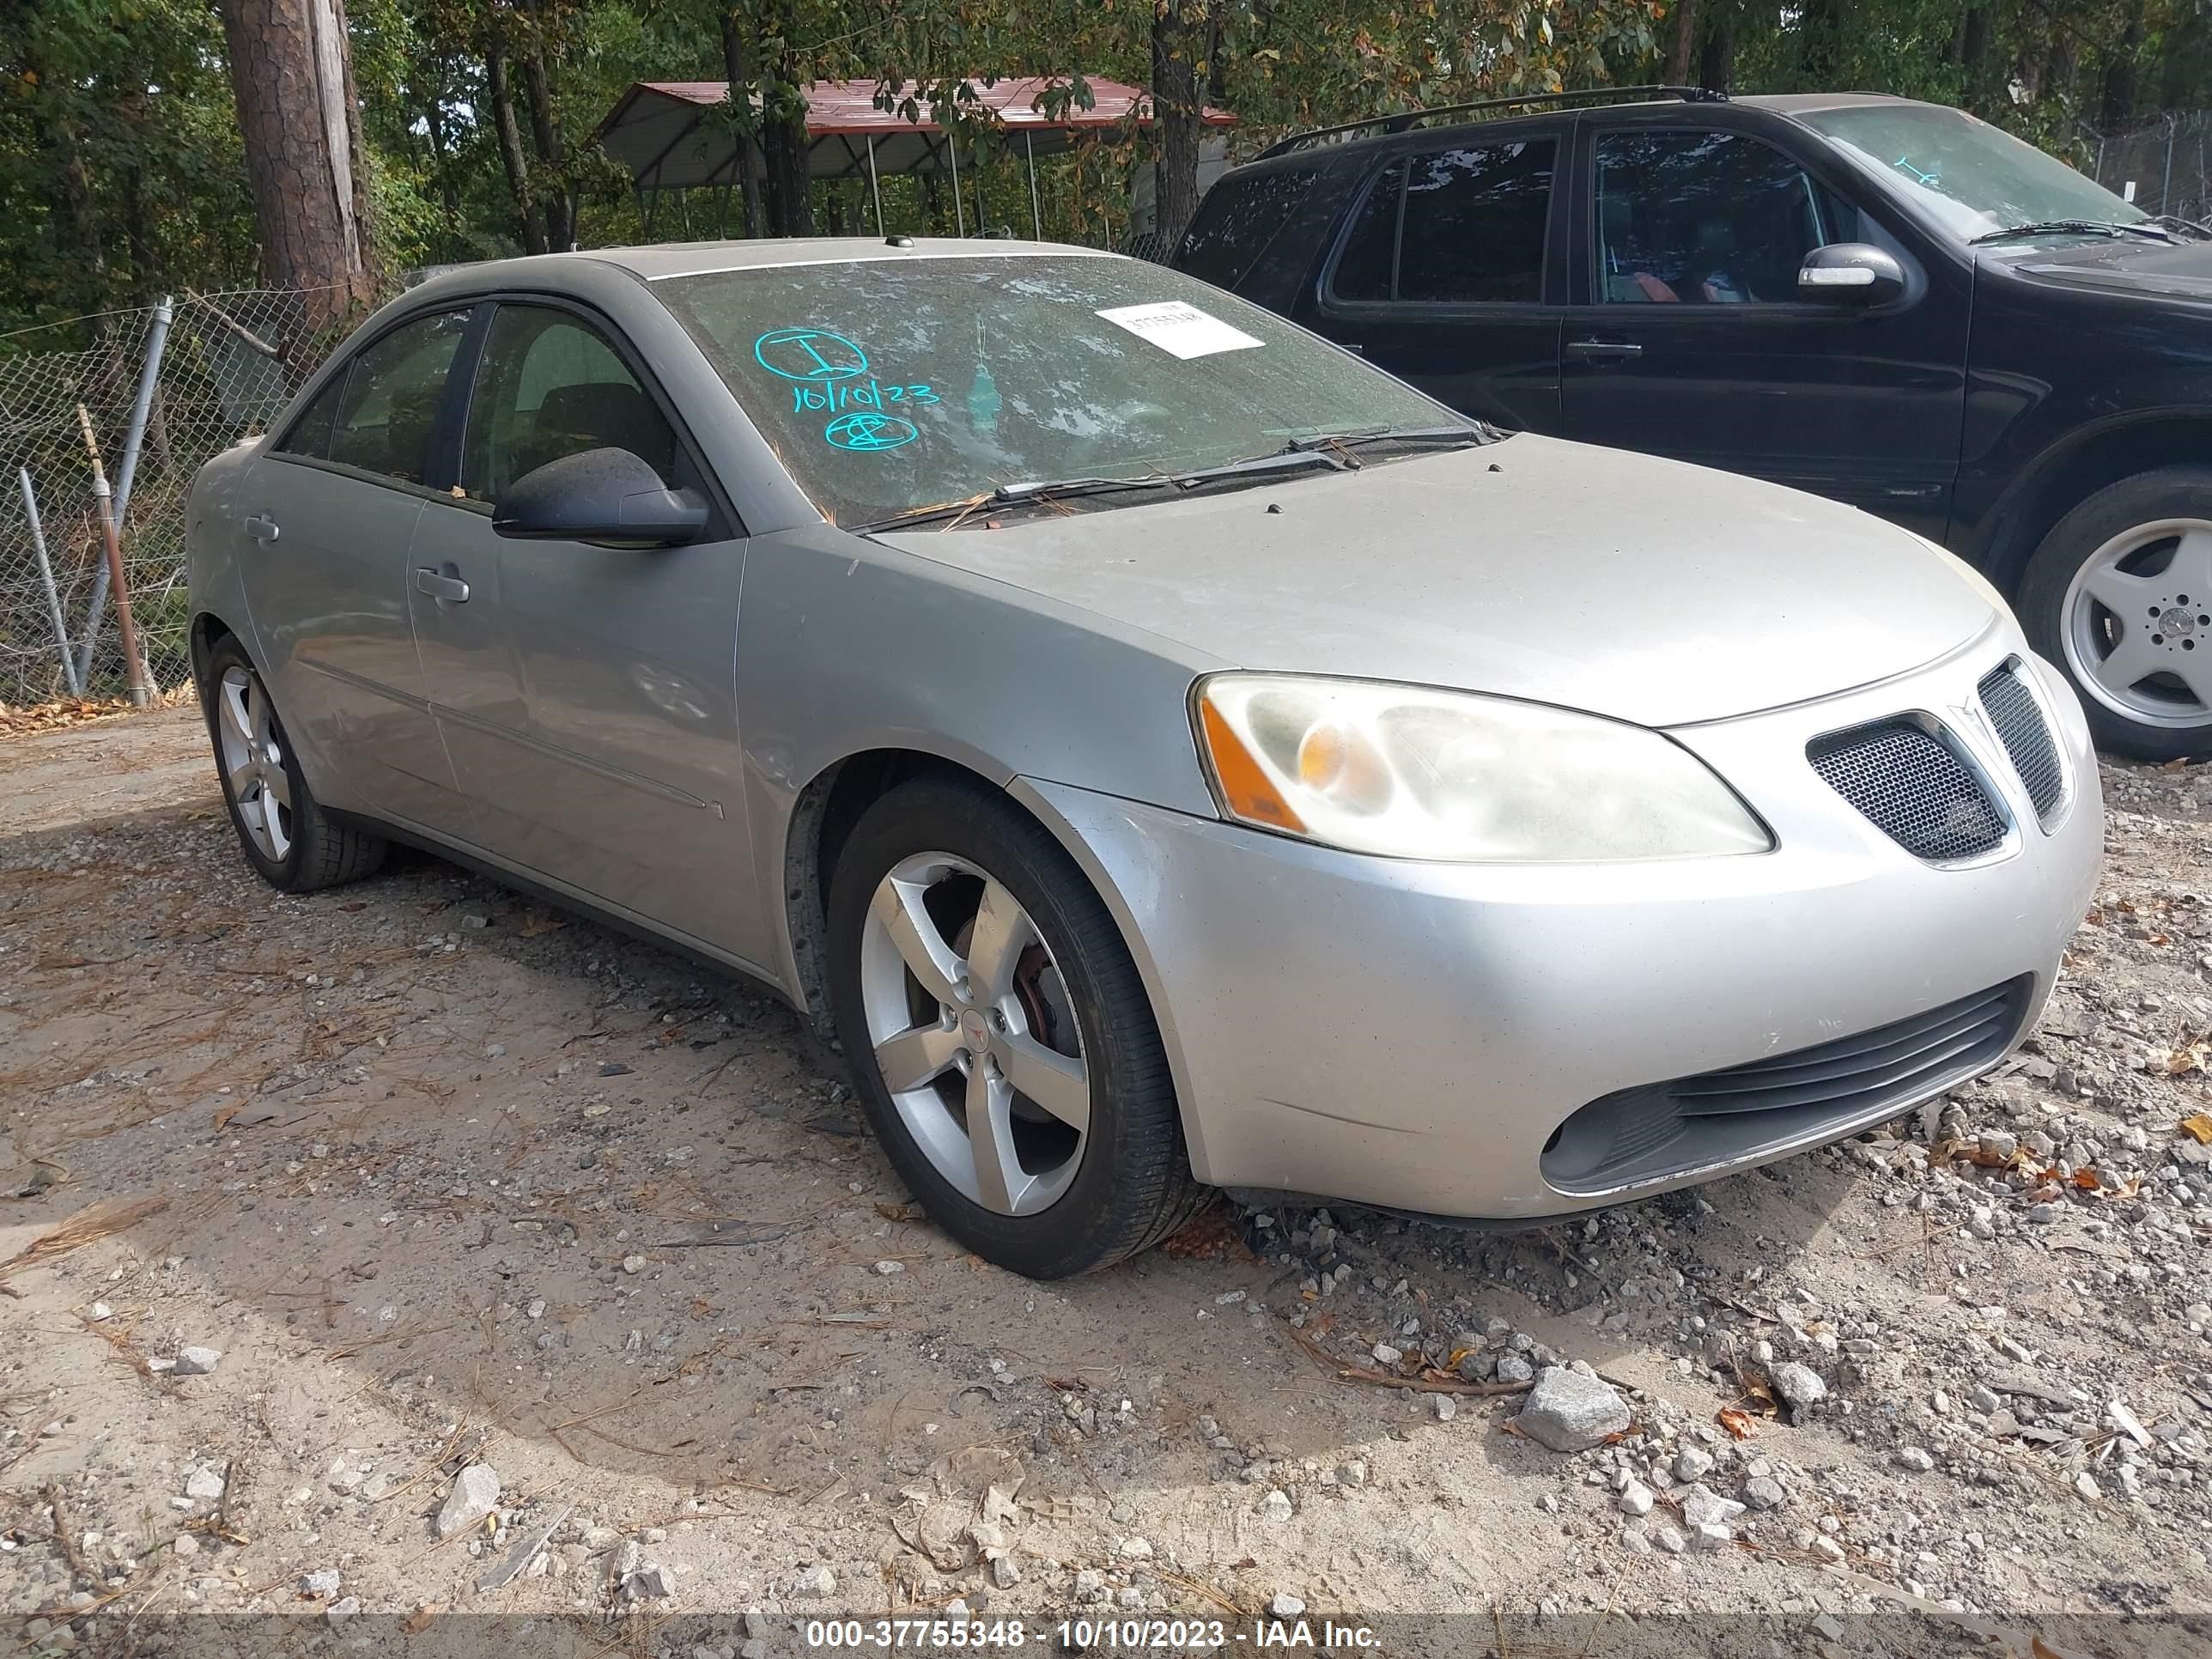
(587, 694)
(1688, 338)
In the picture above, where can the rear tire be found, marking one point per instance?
(289, 839)
(954, 875)
(2120, 596)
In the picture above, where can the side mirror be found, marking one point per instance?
(1850, 274)
(599, 495)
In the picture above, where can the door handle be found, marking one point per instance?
(444, 588)
(1604, 348)
(261, 529)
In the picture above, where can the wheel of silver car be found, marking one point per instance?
(2120, 593)
(252, 756)
(285, 833)
(1000, 1038)
(971, 1032)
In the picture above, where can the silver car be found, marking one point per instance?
(1162, 751)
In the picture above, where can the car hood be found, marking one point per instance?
(1595, 579)
(2177, 272)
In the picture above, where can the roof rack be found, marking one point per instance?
(1406, 120)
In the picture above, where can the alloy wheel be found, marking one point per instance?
(974, 1034)
(2138, 624)
(253, 762)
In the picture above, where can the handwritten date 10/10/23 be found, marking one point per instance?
(1196, 1636)
(859, 394)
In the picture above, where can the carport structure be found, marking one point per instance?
(661, 132)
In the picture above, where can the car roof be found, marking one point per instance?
(1787, 104)
(659, 261)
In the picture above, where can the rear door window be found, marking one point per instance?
(1240, 216)
(1474, 225)
(1463, 226)
(387, 419)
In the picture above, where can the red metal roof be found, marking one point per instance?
(659, 129)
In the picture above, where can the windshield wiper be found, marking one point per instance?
(2195, 229)
(2074, 228)
(1392, 435)
(1314, 453)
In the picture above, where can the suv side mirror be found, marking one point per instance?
(607, 495)
(1850, 274)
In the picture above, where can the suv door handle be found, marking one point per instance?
(441, 586)
(1604, 348)
(261, 529)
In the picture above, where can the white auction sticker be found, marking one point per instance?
(1179, 328)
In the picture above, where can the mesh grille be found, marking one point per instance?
(2020, 724)
(1916, 790)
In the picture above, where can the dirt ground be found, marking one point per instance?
(450, 1182)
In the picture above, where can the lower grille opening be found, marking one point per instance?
(1662, 1129)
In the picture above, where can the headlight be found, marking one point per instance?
(1412, 773)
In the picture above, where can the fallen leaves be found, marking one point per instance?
(2193, 1055)
(1209, 1235)
(1739, 1424)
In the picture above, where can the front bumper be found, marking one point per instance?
(1413, 1034)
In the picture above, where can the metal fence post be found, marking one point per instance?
(46, 576)
(134, 438)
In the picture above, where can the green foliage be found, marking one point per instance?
(121, 176)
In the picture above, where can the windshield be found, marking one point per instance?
(1966, 174)
(891, 385)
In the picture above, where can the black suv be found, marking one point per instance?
(1888, 302)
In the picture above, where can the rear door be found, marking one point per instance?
(1688, 339)
(587, 693)
(1449, 271)
(329, 511)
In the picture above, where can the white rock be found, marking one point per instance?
(816, 1583)
(1636, 1499)
(887, 1267)
(197, 1361)
(204, 1485)
(1797, 1386)
(1283, 1605)
(1570, 1413)
(1918, 1459)
(475, 1490)
(633, 1264)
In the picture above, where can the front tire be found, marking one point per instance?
(286, 835)
(2119, 595)
(1002, 1041)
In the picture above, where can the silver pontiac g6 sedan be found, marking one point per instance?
(1159, 748)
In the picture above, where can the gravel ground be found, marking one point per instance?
(354, 1245)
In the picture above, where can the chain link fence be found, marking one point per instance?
(229, 363)
(2162, 166)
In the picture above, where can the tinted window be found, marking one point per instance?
(311, 433)
(549, 385)
(1237, 220)
(1365, 269)
(889, 384)
(387, 420)
(1702, 218)
(1474, 223)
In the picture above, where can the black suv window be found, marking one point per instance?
(1458, 226)
(1705, 218)
(1240, 216)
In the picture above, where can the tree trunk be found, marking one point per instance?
(2120, 73)
(1175, 117)
(291, 71)
(1685, 43)
(499, 85)
(783, 132)
(560, 203)
(741, 63)
(1716, 56)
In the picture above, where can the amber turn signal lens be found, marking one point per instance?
(1245, 790)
